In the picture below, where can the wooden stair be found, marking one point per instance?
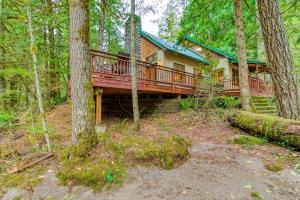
(263, 105)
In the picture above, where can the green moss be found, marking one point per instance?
(87, 142)
(140, 148)
(90, 106)
(248, 141)
(271, 127)
(92, 173)
(256, 196)
(173, 149)
(109, 168)
(25, 179)
(274, 166)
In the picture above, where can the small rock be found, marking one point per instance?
(100, 128)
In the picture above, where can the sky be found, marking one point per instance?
(148, 18)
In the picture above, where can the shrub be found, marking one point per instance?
(187, 103)
(227, 102)
(6, 120)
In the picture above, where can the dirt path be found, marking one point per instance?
(216, 170)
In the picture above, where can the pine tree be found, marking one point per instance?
(242, 55)
(280, 59)
(135, 103)
(83, 107)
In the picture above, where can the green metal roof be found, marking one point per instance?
(232, 58)
(166, 45)
(257, 62)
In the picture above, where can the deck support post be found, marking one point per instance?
(98, 106)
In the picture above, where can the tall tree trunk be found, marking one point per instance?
(102, 25)
(54, 89)
(261, 52)
(83, 107)
(46, 68)
(135, 102)
(242, 56)
(37, 80)
(280, 60)
(2, 83)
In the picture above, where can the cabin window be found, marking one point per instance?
(218, 75)
(197, 72)
(235, 77)
(179, 73)
(152, 58)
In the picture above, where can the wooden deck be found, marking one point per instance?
(112, 73)
(257, 87)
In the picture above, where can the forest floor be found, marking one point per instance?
(216, 169)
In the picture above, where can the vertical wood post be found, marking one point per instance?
(173, 81)
(98, 106)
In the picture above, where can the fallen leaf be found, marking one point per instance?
(249, 187)
(248, 161)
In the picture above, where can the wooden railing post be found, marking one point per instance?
(173, 81)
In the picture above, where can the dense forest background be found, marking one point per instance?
(211, 22)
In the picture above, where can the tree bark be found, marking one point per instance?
(2, 83)
(54, 84)
(37, 80)
(280, 60)
(242, 56)
(83, 108)
(135, 103)
(102, 25)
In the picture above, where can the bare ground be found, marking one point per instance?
(215, 170)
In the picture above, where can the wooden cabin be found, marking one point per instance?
(169, 69)
(227, 73)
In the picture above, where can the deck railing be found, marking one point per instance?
(117, 65)
(256, 85)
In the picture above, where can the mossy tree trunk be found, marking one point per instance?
(2, 83)
(135, 104)
(33, 50)
(83, 107)
(280, 60)
(272, 127)
(242, 56)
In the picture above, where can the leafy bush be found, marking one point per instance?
(58, 100)
(219, 102)
(187, 103)
(227, 102)
(6, 119)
